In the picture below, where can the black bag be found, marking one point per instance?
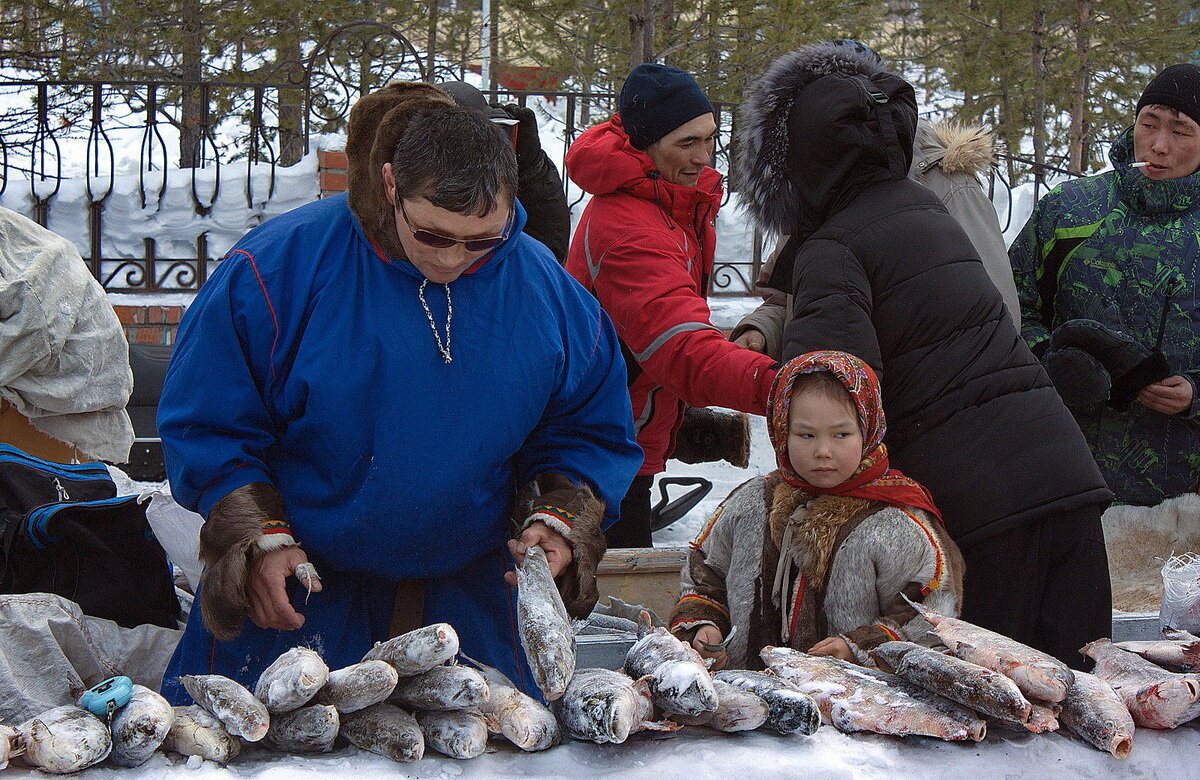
(64, 530)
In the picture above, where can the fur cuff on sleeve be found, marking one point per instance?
(247, 520)
(575, 512)
(864, 639)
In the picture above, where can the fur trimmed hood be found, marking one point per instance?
(955, 147)
(376, 122)
(822, 123)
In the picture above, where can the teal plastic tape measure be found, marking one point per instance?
(107, 697)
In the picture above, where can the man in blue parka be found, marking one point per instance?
(389, 386)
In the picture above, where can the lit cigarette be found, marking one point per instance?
(1138, 164)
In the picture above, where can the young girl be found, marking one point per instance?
(816, 554)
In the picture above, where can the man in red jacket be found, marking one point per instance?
(644, 248)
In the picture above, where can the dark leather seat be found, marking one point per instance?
(149, 365)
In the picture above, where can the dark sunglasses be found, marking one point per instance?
(429, 238)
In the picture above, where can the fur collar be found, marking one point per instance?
(955, 147)
(376, 122)
(816, 522)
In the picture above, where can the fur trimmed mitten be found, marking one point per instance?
(247, 520)
(708, 435)
(1130, 364)
(575, 512)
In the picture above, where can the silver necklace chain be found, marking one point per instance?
(443, 349)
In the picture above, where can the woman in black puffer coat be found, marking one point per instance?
(878, 268)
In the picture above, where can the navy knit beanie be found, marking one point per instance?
(656, 99)
(1177, 87)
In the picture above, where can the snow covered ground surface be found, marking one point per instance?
(697, 753)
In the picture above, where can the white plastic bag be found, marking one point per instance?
(1181, 593)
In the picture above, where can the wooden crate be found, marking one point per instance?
(642, 575)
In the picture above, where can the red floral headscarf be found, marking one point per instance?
(872, 479)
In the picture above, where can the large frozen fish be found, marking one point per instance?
(242, 715)
(458, 734)
(971, 685)
(737, 709)
(679, 681)
(65, 739)
(310, 729)
(387, 730)
(1095, 712)
(1179, 635)
(1155, 697)
(545, 627)
(417, 651)
(197, 732)
(1038, 675)
(599, 705)
(139, 728)
(521, 719)
(850, 699)
(441, 688)
(1181, 653)
(358, 686)
(791, 710)
(291, 680)
(11, 744)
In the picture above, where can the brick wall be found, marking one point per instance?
(331, 167)
(150, 324)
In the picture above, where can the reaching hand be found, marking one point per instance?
(554, 544)
(1170, 396)
(833, 646)
(752, 339)
(266, 588)
(711, 635)
(528, 142)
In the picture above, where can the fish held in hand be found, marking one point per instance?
(311, 729)
(139, 728)
(680, 683)
(981, 689)
(65, 739)
(387, 730)
(521, 719)
(1037, 675)
(441, 688)
(1155, 697)
(242, 715)
(417, 651)
(545, 626)
(599, 705)
(197, 732)
(790, 710)
(457, 734)
(852, 699)
(358, 686)
(291, 680)
(1096, 712)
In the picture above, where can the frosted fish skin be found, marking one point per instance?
(197, 732)
(441, 688)
(790, 710)
(851, 700)
(679, 682)
(983, 690)
(521, 719)
(387, 730)
(417, 651)
(1155, 697)
(310, 729)
(139, 728)
(545, 626)
(1095, 712)
(1184, 654)
(458, 734)
(358, 686)
(11, 744)
(1038, 675)
(65, 739)
(737, 709)
(242, 715)
(291, 680)
(599, 705)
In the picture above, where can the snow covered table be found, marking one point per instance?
(698, 753)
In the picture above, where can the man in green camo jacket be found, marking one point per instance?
(1108, 274)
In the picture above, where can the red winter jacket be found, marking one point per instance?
(644, 248)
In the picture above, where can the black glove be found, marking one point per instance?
(708, 435)
(529, 145)
(1077, 376)
(1130, 364)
